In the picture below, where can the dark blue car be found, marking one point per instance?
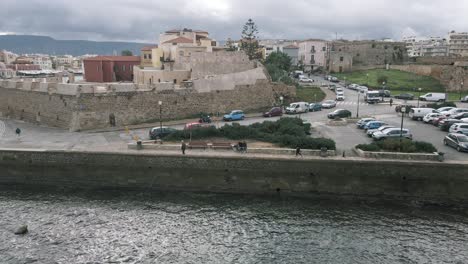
(315, 107)
(374, 125)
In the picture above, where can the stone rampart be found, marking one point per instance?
(302, 177)
(90, 106)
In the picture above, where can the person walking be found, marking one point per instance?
(18, 132)
(298, 151)
(183, 147)
(391, 102)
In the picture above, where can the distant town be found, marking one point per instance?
(310, 54)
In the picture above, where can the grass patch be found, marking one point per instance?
(393, 145)
(396, 80)
(309, 94)
(285, 132)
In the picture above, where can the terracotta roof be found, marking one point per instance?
(149, 48)
(114, 58)
(179, 40)
(291, 47)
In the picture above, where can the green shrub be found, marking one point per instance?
(368, 147)
(425, 147)
(394, 145)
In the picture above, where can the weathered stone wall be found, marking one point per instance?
(435, 181)
(366, 53)
(450, 76)
(82, 107)
(214, 63)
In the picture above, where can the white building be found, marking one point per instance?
(274, 45)
(458, 43)
(426, 46)
(43, 61)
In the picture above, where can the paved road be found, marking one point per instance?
(346, 137)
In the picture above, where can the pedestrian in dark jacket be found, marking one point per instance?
(298, 151)
(183, 147)
(391, 102)
(18, 132)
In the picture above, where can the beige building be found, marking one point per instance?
(313, 54)
(7, 57)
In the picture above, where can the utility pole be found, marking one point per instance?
(357, 111)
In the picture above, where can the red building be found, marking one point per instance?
(110, 68)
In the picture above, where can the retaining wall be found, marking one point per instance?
(303, 177)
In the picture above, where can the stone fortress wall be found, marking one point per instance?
(84, 106)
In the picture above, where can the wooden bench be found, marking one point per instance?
(221, 145)
(197, 145)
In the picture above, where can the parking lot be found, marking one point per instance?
(346, 137)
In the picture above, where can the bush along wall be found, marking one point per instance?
(286, 132)
(393, 145)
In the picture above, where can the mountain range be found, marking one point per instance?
(29, 44)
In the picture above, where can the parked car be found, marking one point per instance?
(297, 108)
(433, 97)
(404, 96)
(275, 111)
(340, 96)
(460, 116)
(313, 107)
(362, 123)
(334, 79)
(461, 128)
(392, 133)
(465, 99)
(372, 97)
(329, 104)
(305, 79)
(160, 132)
(406, 106)
(444, 109)
(353, 86)
(419, 113)
(437, 120)
(332, 87)
(453, 112)
(234, 115)
(339, 89)
(384, 93)
(205, 119)
(372, 131)
(445, 124)
(373, 125)
(457, 141)
(339, 113)
(430, 117)
(362, 89)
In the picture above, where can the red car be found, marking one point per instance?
(196, 125)
(275, 111)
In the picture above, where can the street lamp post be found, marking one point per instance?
(402, 110)
(383, 89)
(461, 87)
(357, 111)
(419, 94)
(160, 116)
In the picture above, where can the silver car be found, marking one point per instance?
(370, 132)
(392, 133)
(329, 104)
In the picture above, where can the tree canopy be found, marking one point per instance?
(249, 40)
(126, 53)
(280, 60)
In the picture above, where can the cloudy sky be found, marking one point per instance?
(143, 20)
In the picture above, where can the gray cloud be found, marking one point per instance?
(143, 20)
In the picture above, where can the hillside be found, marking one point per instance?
(22, 44)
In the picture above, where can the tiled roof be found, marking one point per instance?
(179, 40)
(114, 58)
(149, 48)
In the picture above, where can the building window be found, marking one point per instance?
(144, 56)
(324, 49)
(150, 56)
(341, 58)
(175, 81)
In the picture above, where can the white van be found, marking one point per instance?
(296, 108)
(433, 97)
(419, 113)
